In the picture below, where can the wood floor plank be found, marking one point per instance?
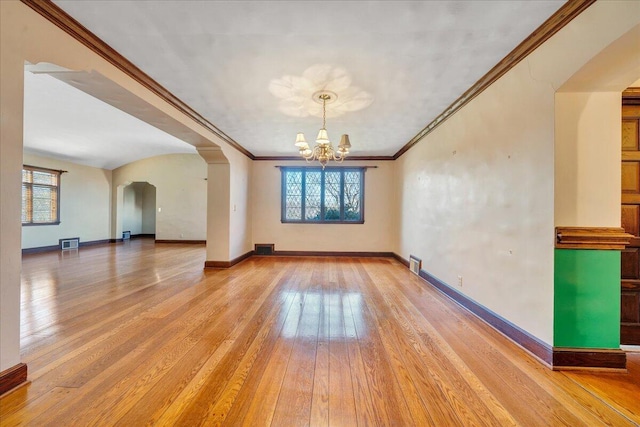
(434, 351)
(261, 411)
(139, 334)
(294, 400)
(388, 400)
(321, 380)
(342, 408)
(621, 392)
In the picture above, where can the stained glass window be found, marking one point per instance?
(40, 196)
(323, 196)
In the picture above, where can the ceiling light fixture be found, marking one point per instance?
(323, 152)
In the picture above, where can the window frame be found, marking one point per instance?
(304, 169)
(58, 174)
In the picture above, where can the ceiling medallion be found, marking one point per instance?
(323, 151)
(298, 98)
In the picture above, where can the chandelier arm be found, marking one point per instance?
(324, 151)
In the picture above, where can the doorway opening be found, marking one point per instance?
(138, 211)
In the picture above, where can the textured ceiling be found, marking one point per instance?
(412, 59)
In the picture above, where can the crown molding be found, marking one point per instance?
(348, 159)
(65, 22)
(555, 23)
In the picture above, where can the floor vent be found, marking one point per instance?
(264, 248)
(126, 235)
(72, 243)
(415, 264)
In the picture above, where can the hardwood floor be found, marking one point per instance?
(139, 334)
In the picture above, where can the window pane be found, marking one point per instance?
(312, 195)
(44, 178)
(332, 196)
(26, 202)
(40, 195)
(293, 202)
(43, 204)
(352, 195)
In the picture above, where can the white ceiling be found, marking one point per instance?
(63, 122)
(412, 59)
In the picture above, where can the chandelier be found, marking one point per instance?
(323, 152)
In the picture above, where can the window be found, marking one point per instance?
(40, 196)
(331, 195)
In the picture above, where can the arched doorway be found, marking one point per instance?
(139, 210)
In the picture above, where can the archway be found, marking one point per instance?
(138, 210)
(587, 202)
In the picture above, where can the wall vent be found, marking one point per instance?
(126, 235)
(72, 243)
(415, 264)
(264, 248)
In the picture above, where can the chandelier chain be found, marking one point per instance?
(324, 112)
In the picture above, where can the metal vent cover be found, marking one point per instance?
(264, 248)
(72, 243)
(415, 264)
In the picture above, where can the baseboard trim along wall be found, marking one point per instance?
(40, 249)
(13, 377)
(186, 242)
(228, 264)
(583, 358)
(557, 358)
(335, 254)
(27, 251)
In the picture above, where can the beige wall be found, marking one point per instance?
(588, 155)
(85, 203)
(240, 204)
(148, 219)
(131, 209)
(375, 235)
(181, 194)
(11, 106)
(476, 196)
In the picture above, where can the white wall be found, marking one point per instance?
(85, 204)
(375, 235)
(476, 196)
(181, 193)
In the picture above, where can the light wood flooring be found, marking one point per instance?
(139, 334)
